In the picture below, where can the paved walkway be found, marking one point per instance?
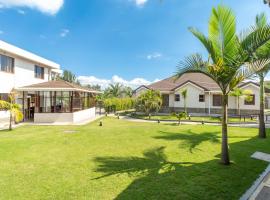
(249, 125)
(260, 190)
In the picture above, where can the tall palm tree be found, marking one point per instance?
(228, 59)
(238, 93)
(263, 52)
(69, 77)
(184, 95)
(13, 108)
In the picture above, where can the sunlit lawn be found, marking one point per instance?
(126, 160)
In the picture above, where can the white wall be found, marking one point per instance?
(65, 118)
(23, 75)
(192, 100)
(256, 91)
(4, 119)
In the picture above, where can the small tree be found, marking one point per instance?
(184, 94)
(13, 108)
(149, 101)
(180, 116)
(238, 93)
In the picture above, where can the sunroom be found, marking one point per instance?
(57, 102)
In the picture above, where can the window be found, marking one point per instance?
(4, 96)
(201, 98)
(6, 64)
(39, 72)
(250, 100)
(177, 97)
(217, 100)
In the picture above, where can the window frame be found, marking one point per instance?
(42, 72)
(177, 97)
(203, 98)
(251, 103)
(8, 69)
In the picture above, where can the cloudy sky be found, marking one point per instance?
(106, 41)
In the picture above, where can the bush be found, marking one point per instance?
(118, 104)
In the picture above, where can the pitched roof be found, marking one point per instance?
(57, 85)
(199, 79)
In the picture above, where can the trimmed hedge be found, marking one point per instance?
(118, 104)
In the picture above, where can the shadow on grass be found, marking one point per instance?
(155, 177)
(191, 139)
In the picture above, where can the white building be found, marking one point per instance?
(203, 95)
(42, 99)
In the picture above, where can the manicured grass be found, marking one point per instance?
(126, 160)
(195, 118)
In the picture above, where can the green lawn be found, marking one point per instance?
(126, 160)
(195, 118)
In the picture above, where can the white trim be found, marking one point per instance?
(8, 48)
(189, 83)
(250, 83)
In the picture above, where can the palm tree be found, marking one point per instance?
(13, 108)
(69, 77)
(114, 90)
(238, 93)
(228, 62)
(263, 52)
(184, 94)
(127, 91)
(149, 101)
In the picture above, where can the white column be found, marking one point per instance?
(209, 104)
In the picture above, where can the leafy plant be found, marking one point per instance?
(149, 101)
(13, 108)
(179, 116)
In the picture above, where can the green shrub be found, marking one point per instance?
(118, 104)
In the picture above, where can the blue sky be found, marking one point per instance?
(130, 41)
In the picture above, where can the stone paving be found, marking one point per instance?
(260, 190)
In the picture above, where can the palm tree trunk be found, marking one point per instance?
(10, 121)
(262, 132)
(224, 147)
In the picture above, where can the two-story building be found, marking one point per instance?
(42, 98)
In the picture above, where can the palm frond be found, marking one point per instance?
(206, 42)
(222, 32)
(261, 20)
(255, 39)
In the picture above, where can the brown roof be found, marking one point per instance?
(199, 79)
(57, 85)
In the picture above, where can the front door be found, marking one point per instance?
(165, 100)
(30, 109)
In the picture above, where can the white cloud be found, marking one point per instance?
(22, 12)
(154, 56)
(134, 83)
(64, 32)
(50, 7)
(140, 2)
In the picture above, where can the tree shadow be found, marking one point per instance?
(191, 139)
(155, 177)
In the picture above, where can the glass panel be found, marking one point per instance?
(7, 64)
